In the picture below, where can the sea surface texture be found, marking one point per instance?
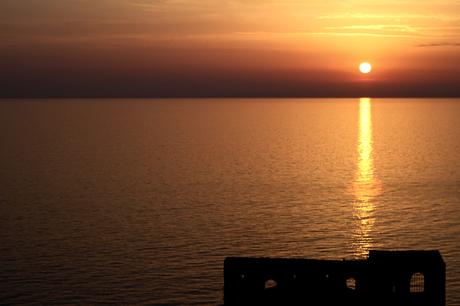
(140, 201)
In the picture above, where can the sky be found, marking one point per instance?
(228, 48)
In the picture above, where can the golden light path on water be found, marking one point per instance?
(365, 186)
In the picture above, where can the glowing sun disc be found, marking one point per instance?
(365, 67)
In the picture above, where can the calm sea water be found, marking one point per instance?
(140, 201)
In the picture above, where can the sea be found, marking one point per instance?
(131, 201)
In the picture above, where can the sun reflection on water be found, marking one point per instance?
(365, 186)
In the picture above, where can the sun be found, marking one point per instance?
(365, 67)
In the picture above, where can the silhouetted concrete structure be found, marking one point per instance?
(409, 278)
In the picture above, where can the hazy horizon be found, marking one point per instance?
(184, 48)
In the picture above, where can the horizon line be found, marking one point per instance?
(234, 97)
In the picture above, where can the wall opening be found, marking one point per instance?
(270, 284)
(351, 283)
(417, 283)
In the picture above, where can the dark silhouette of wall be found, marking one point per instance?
(409, 278)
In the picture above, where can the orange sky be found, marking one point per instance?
(229, 48)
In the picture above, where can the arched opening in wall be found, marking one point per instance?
(417, 283)
(351, 283)
(270, 284)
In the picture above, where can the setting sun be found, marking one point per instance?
(365, 67)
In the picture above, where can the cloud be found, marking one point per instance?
(439, 44)
(361, 34)
(376, 27)
(389, 16)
